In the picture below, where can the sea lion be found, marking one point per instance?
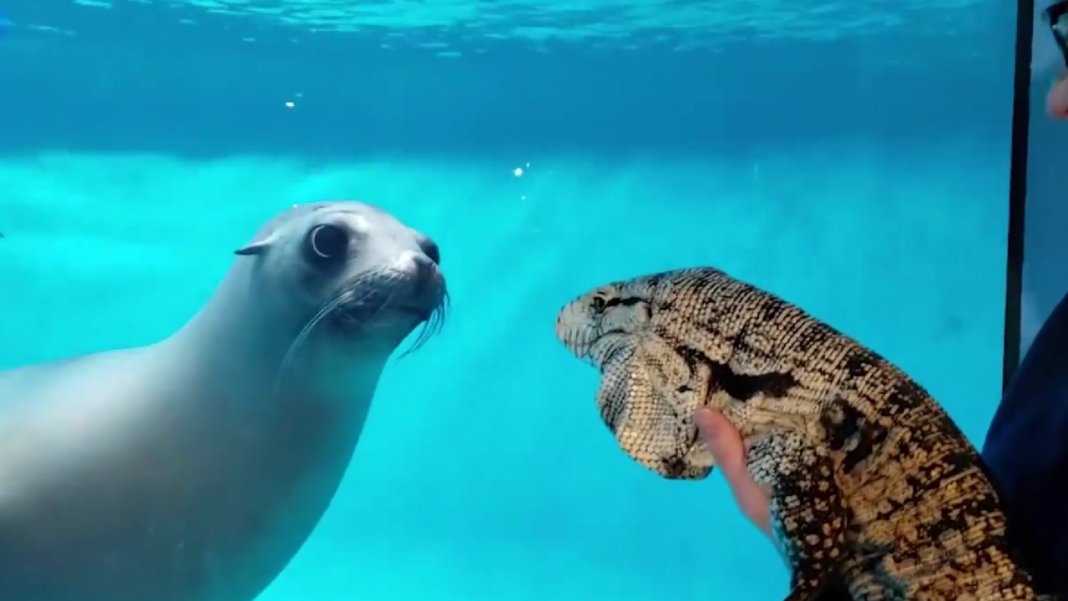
(193, 469)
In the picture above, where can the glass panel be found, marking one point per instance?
(851, 157)
(1045, 274)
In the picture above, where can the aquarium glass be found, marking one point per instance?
(1045, 273)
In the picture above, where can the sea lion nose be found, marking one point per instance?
(426, 271)
(423, 271)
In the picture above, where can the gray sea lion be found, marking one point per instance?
(193, 469)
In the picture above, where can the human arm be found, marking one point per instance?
(1026, 450)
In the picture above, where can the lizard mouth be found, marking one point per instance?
(587, 341)
(573, 333)
(607, 350)
(577, 331)
(590, 346)
(580, 347)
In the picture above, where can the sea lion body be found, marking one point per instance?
(194, 469)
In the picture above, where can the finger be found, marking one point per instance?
(728, 451)
(1057, 99)
(723, 440)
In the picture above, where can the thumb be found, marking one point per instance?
(724, 442)
(728, 452)
(1057, 99)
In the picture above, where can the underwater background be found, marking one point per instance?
(851, 157)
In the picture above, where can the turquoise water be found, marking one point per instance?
(866, 185)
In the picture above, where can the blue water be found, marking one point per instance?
(853, 159)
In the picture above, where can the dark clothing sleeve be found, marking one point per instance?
(1027, 452)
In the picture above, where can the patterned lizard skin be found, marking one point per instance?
(872, 484)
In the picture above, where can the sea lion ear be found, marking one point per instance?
(256, 248)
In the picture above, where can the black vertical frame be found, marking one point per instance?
(1021, 103)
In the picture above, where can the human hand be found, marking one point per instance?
(1057, 99)
(728, 451)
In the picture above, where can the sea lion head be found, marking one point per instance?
(346, 271)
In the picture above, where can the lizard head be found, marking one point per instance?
(604, 321)
(599, 324)
(629, 331)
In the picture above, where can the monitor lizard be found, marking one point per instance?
(872, 484)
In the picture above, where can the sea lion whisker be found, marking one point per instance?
(302, 336)
(432, 326)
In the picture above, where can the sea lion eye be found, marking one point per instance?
(327, 244)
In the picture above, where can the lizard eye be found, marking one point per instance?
(598, 304)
